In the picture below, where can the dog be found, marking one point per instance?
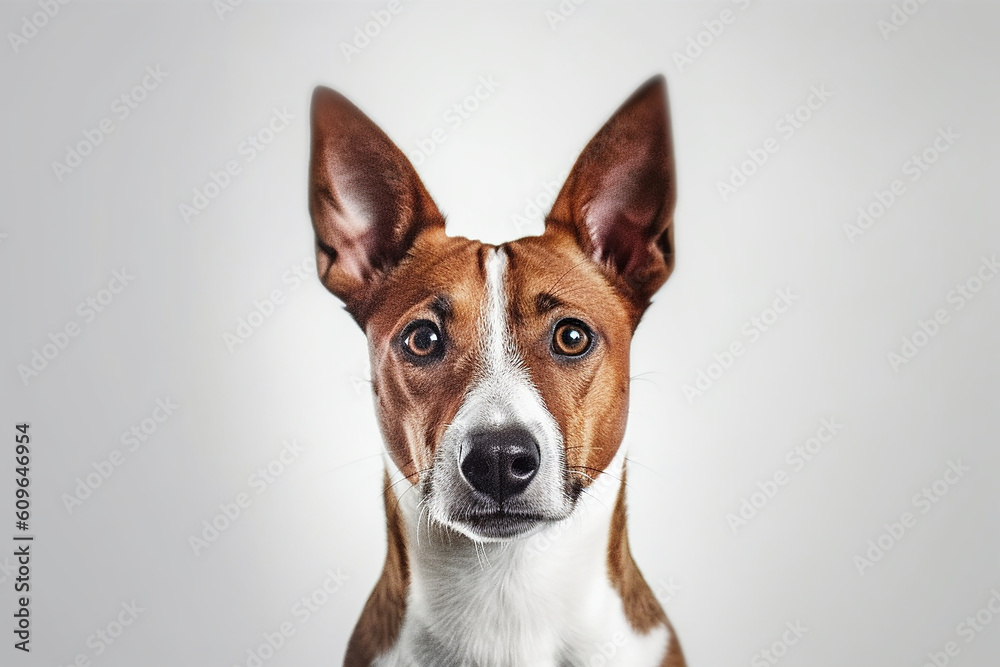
(500, 376)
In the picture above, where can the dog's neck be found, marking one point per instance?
(549, 599)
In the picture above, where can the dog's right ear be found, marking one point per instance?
(618, 201)
(366, 201)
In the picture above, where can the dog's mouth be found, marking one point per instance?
(500, 524)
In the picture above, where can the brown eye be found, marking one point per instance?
(422, 341)
(572, 338)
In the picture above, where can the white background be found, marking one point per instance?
(301, 374)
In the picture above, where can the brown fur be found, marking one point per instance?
(641, 606)
(379, 625)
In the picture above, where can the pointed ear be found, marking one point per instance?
(366, 201)
(618, 200)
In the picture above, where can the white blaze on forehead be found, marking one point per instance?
(504, 387)
(499, 354)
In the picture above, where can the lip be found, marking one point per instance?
(501, 525)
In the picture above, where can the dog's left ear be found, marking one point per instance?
(367, 203)
(618, 200)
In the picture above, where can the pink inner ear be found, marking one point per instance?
(619, 216)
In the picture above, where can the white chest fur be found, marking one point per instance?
(542, 601)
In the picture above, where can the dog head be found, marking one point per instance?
(500, 373)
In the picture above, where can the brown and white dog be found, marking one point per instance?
(501, 381)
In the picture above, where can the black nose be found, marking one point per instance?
(501, 463)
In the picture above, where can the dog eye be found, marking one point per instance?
(422, 340)
(571, 338)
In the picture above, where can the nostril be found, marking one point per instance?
(523, 466)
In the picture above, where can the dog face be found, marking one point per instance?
(500, 373)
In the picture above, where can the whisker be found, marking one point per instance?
(630, 460)
(420, 515)
(596, 498)
(597, 470)
(552, 288)
(334, 469)
(639, 377)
